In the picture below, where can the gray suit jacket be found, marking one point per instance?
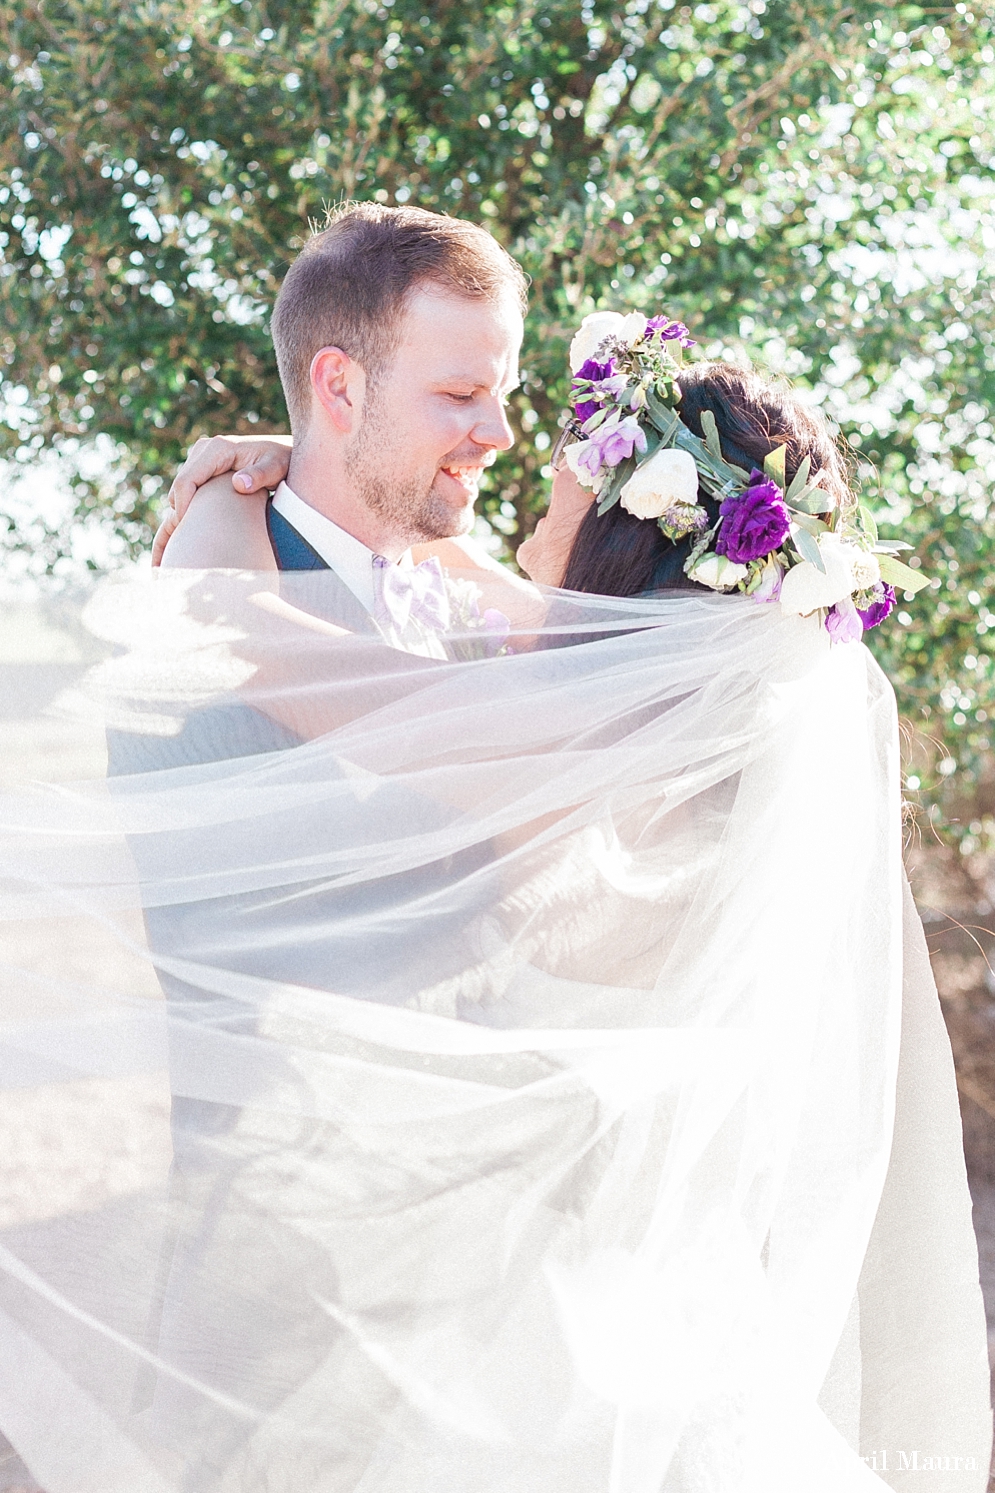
(232, 730)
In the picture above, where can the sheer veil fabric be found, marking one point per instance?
(519, 1073)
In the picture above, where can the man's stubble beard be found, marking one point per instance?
(414, 514)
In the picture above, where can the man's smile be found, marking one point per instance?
(465, 475)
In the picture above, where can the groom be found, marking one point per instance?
(397, 334)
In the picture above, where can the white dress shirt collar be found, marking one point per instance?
(351, 560)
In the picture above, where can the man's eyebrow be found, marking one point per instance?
(473, 382)
(461, 376)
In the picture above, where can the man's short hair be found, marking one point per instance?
(350, 283)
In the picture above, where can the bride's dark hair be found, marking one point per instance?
(619, 555)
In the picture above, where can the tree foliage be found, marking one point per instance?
(808, 184)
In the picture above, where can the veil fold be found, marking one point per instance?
(470, 1076)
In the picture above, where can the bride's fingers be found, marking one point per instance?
(163, 534)
(266, 470)
(258, 462)
(188, 478)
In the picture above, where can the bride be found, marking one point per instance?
(560, 1097)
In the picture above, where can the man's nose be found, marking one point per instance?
(492, 429)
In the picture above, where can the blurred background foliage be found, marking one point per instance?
(808, 185)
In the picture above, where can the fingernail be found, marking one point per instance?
(242, 480)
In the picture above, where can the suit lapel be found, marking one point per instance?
(331, 597)
(292, 551)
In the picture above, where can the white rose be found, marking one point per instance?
(633, 327)
(805, 588)
(601, 324)
(718, 572)
(668, 477)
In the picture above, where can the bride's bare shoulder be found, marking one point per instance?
(222, 529)
(464, 558)
(463, 553)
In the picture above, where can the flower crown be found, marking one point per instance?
(774, 540)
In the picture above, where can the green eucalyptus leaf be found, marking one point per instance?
(598, 418)
(611, 493)
(774, 466)
(800, 480)
(811, 499)
(711, 430)
(809, 524)
(717, 477)
(902, 577)
(808, 548)
(867, 522)
(663, 416)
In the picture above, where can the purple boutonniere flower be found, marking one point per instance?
(669, 331)
(498, 628)
(880, 607)
(754, 522)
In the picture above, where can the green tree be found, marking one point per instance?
(809, 184)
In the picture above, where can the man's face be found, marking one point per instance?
(436, 417)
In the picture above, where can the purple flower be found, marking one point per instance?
(599, 374)
(497, 622)
(615, 440)
(498, 628)
(754, 522)
(611, 443)
(587, 456)
(594, 372)
(669, 331)
(843, 622)
(884, 601)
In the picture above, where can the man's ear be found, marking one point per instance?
(339, 385)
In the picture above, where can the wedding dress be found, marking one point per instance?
(514, 1075)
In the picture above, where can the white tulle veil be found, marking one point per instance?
(474, 1076)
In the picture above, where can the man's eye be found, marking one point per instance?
(461, 398)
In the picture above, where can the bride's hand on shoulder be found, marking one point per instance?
(257, 464)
